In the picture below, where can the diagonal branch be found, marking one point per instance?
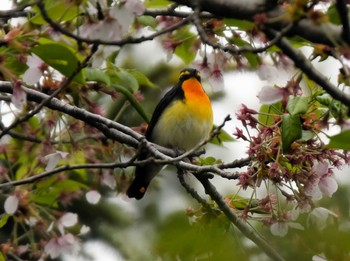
(344, 17)
(128, 40)
(306, 67)
(242, 226)
(233, 49)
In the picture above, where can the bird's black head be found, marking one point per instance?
(188, 73)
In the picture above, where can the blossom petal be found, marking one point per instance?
(135, 6)
(328, 185)
(320, 169)
(318, 217)
(32, 75)
(108, 180)
(19, 97)
(69, 219)
(11, 204)
(53, 158)
(93, 197)
(270, 94)
(279, 229)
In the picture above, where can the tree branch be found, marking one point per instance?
(64, 85)
(344, 17)
(125, 135)
(242, 226)
(306, 67)
(327, 33)
(230, 48)
(128, 40)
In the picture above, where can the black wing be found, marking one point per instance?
(173, 94)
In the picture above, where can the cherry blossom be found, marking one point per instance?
(67, 220)
(60, 245)
(319, 216)
(108, 180)
(322, 182)
(35, 70)
(19, 97)
(11, 204)
(270, 94)
(93, 197)
(53, 158)
(280, 228)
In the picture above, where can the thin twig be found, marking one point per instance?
(192, 192)
(128, 40)
(230, 48)
(306, 67)
(64, 85)
(344, 17)
(242, 226)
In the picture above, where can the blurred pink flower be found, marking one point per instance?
(93, 197)
(60, 245)
(35, 70)
(270, 94)
(322, 182)
(53, 158)
(11, 204)
(19, 97)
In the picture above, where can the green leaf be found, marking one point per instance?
(325, 99)
(185, 50)
(297, 105)
(147, 20)
(3, 220)
(142, 79)
(57, 11)
(131, 98)
(223, 137)
(307, 135)
(97, 75)
(241, 203)
(240, 24)
(267, 113)
(333, 15)
(208, 161)
(291, 130)
(340, 141)
(2, 257)
(157, 3)
(253, 59)
(60, 58)
(127, 80)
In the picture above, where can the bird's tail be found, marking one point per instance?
(143, 176)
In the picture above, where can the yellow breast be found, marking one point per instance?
(185, 123)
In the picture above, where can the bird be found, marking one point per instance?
(182, 119)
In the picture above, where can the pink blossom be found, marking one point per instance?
(108, 180)
(35, 71)
(322, 182)
(53, 158)
(281, 228)
(67, 220)
(93, 197)
(60, 245)
(274, 74)
(135, 6)
(11, 204)
(319, 216)
(19, 97)
(270, 94)
(216, 79)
